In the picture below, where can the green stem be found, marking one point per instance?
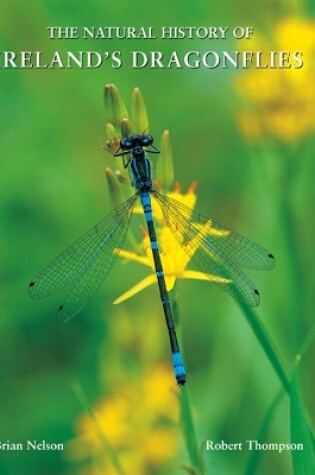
(189, 432)
(267, 344)
(255, 456)
(306, 344)
(283, 163)
(186, 413)
(295, 272)
(262, 436)
(86, 406)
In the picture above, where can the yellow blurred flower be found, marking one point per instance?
(280, 103)
(173, 257)
(139, 422)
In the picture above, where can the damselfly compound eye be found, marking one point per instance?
(146, 140)
(125, 144)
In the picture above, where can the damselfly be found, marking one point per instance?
(214, 249)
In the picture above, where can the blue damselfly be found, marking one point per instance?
(214, 249)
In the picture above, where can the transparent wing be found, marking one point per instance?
(216, 250)
(87, 262)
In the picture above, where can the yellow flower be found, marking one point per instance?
(173, 256)
(138, 421)
(280, 103)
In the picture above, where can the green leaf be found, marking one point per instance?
(255, 455)
(267, 344)
(189, 433)
(303, 460)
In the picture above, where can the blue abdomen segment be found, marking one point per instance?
(146, 204)
(179, 369)
(178, 364)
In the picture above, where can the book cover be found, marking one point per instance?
(220, 97)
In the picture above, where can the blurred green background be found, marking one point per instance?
(53, 189)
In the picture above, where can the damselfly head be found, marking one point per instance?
(135, 140)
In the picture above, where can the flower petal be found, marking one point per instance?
(132, 256)
(192, 274)
(151, 279)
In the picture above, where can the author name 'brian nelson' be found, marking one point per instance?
(30, 445)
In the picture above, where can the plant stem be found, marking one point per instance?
(186, 413)
(267, 344)
(86, 406)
